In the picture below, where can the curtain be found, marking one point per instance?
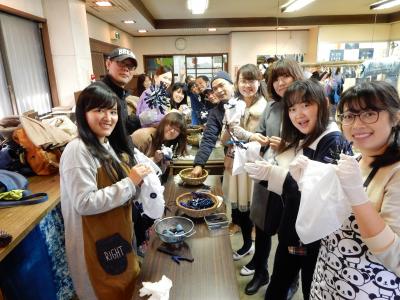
(24, 53)
(5, 101)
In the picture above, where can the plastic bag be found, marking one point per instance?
(323, 205)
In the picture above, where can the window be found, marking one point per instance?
(206, 64)
(24, 82)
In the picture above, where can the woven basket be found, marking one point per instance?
(184, 174)
(196, 213)
(193, 140)
(194, 129)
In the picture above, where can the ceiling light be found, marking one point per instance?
(212, 29)
(294, 5)
(129, 22)
(142, 30)
(281, 28)
(103, 3)
(197, 7)
(384, 4)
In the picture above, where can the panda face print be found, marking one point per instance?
(323, 253)
(349, 248)
(345, 290)
(386, 280)
(354, 226)
(354, 276)
(329, 278)
(332, 242)
(327, 296)
(334, 262)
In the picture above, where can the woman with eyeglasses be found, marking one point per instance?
(361, 260)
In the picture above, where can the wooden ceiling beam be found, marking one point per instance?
(138, 4)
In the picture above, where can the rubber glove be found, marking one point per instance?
(263, 170)
(297, 166)
(351, 180)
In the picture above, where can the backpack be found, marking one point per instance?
(42, 162)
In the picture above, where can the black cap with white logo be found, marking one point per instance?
(120, 54)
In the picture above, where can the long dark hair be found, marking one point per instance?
(249, 72)
(282, 67)
(140, 84)
(173, 119)
(377, 96)
(176, 86)
(298, 92)
(99, 95)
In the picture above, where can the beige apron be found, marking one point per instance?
(111, 262)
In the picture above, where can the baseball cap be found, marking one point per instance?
(120, 54)
(222, 75)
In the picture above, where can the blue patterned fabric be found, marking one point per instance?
(52, 228)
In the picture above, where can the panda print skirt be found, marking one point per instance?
(347, 270)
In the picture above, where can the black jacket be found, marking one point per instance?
(210, 135)
(131, 122)
(326, 150)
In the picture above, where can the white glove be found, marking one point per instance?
(263, 170)
(351, 180)
(297, 166)
(260, 170)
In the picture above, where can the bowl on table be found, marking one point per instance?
(193, 139)
(193, 129)
(168, 223)
(182, 200)
(186, 178)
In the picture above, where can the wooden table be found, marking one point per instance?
(20, 220)
(211, 275)
(214, 165)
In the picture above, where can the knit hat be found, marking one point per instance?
(222, 75)
(120, 54)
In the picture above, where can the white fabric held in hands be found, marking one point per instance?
(251, 154)
(323, 205)
(152, 196)
(158, 290)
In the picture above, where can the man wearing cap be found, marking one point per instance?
(222, 86)
(121, 64)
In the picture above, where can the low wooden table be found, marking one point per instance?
(211, 275)
(20, 220)
(214, 165)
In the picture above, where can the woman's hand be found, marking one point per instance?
(274, 142)
(158, 156)
(258, 137)
(138, 172)
(197, 171)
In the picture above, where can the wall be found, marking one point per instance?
(245, 46)
(354, 33)
(33, 7)
(395, 31)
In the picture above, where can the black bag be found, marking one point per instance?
(273, 213)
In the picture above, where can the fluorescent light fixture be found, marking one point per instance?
(281, 28)
(212, 29)
(142, 30)
(294, 5)
(197, 7)
(129, 22)
(103, 3)
(384, 4)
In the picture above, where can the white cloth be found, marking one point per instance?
(323, 205)
(249, 153)
(234, 110)
(152, 196)
(156, 290)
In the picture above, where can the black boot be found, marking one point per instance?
(254, 285)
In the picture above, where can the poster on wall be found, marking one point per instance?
(366, 53)
(336, 55)
(351, 45)
(152, 63)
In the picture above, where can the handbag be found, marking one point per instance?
(14, 192)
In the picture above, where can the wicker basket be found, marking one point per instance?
(194, 129)
(184, 174)
(196, 213)
(193, 140)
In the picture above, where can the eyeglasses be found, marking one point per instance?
(123, 64)
(367, 117)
